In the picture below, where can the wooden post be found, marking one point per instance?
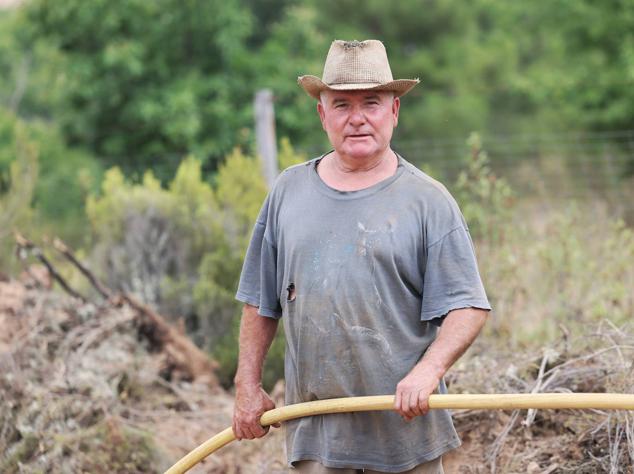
(265, 134)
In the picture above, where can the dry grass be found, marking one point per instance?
(557, 271)
(561, 440)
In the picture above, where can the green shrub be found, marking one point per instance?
(43, 183)
(148, 239)
(181, 248)
(18, 178)
(485, 199)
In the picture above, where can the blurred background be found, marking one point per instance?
(127, 132)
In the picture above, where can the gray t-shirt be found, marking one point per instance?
(363, 279)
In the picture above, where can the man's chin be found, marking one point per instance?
(360, 152)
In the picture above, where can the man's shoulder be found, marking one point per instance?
(442, 213)
(425, 186)
(293, 176)
(300, 168)
(295, 172)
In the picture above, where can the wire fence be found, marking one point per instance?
(565, 166)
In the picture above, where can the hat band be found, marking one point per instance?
(356, 82)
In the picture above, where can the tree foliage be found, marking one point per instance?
(148, 82)
(500, 67)
(18, 176)
(144, 84)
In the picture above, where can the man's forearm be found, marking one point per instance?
(256, 334)
(457, 333)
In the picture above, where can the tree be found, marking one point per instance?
(148, 82)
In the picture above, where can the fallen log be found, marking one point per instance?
(185, 355)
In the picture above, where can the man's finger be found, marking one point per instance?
(250, 428)
(248, 433)
(397, 400)
(403, 404)
(406, 404)
(423, 403)
(259, 431)
(413, 404)
(237, 430)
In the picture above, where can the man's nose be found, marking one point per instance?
(356, 116)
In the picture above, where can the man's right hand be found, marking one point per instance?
(251, 402)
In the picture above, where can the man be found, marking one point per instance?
(370, 264)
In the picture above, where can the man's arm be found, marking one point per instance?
(256, 334)
(458, 331)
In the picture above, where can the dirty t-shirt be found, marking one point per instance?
(362, 280)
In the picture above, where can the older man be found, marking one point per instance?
(370, 264)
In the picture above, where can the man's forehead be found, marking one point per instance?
(332, 96)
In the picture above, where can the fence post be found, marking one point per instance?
(265, 134)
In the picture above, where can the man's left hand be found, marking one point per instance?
(412, 393)
(456, 334)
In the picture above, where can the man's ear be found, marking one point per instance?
(396, 106)
(321, 112)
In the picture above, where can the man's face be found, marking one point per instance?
(359, 124)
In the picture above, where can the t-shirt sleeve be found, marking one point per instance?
(451, 278)
(258, 281)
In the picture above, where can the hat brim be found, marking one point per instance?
(314, 86)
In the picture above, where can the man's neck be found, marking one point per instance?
(347, 164)
(351, 174)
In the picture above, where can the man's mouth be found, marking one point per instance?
(359, 135)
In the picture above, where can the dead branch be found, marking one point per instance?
(25, 247)
(500, 440)
(185, 354)
(94, 281)
(101, 332)
(530, 417)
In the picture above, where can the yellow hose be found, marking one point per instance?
(604, 401)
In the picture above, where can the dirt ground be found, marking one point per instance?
(83, 392)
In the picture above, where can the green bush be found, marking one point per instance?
(181, 248)
(485, 199)
(43, 183)
(18, 178)
(148, 239)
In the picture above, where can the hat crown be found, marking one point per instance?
(354, 66)
(357, 62)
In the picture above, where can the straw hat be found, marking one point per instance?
(356, 65)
